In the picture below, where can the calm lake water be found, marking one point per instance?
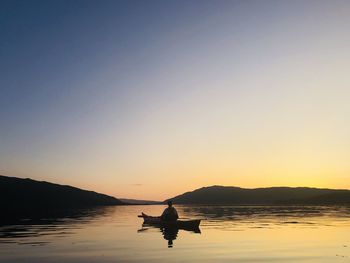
(227, 234)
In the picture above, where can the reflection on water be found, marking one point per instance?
(234, 217)
(169, 233)
(58, 224)
(229, 233)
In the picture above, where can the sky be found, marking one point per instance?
(150, 99)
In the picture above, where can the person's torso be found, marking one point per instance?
(170, 211)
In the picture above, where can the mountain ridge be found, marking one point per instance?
(25, 194)
(282, 195)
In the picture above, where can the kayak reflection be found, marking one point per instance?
(169, 233)
(169, 229)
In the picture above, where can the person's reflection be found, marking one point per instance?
(170, 234)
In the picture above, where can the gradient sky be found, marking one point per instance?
(150, 99)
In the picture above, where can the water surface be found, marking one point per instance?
(227, 234)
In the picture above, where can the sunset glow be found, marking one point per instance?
(149, 100)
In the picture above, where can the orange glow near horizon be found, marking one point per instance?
(236, 93)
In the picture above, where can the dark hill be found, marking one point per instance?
(263, 196)
(27, 195)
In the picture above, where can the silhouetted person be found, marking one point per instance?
(170, 213)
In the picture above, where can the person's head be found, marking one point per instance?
(170, 203)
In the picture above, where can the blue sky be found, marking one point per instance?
(125, 97)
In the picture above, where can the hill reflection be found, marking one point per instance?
(234, 217)
(58, 223)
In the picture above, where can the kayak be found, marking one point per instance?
(181, 224)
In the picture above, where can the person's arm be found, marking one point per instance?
(175, 213)
(164, 212)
